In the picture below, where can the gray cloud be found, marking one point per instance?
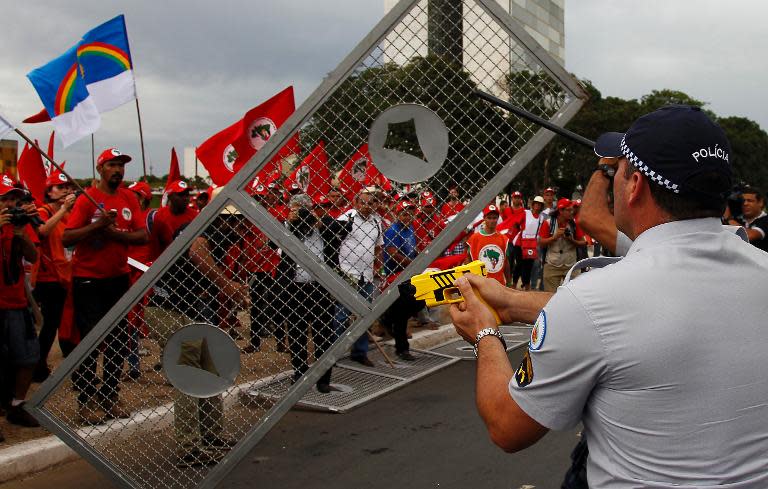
(200, 64)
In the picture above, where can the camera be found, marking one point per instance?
(568, 233)
(735, 202)
(19, 217)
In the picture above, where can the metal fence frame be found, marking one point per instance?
(233, 193)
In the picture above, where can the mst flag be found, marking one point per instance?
(62, 91)
(359, 173)
(312, 175)
(261, 122)
(105, 61)
(220, 154)
(32, 172)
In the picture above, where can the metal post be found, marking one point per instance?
(141, 139)
(93, 158)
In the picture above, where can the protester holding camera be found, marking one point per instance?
(560, 239)
(632, 350)
(54, 275)
(19, 347)
(100, 272)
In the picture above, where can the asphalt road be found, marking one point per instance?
(426, 435)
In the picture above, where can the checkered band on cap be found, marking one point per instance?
(645, 170)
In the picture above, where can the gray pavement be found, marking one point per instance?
(427, 434)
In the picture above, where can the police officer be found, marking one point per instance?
(660, 362)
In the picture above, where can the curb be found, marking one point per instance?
(24, 459)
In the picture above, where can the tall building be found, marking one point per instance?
(9, 155)
(543, 19)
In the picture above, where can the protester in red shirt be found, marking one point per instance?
(54, 274)
(453, 205)
(167, 220)
(19, 347)
(429, 222)
(101, 237)
(338, 203)
(505, 212)
(490, 247)
(560, 236)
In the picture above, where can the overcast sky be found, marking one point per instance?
(200, 64)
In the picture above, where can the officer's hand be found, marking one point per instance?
(471, 315)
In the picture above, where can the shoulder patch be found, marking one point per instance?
(539, 332)
(524, 373)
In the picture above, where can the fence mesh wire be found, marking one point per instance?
(325, 192)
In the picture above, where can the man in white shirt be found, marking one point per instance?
(359, 259)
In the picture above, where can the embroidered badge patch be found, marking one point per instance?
(524, 373)
(539, 332)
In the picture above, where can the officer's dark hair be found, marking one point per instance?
(753, 191)
(706, 200)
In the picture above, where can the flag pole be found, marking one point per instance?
(93, 158)
(141, 139)
(57, 166)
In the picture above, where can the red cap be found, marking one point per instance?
(177, 187)
(258, 189)
(490, 210)
(6, 186)
(427, 199)
(549, 189)
(404, 205)
(110, 154)
(322, 200)
(564, 203)
(56, 178)
(577, 203)
(141, 188)
(517, 193)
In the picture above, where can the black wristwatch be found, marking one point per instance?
(607, 170)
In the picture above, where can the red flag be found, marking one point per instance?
(41, 116)
(359, 173)
(260, 123)
(50, 145)
(312, 175)
(32, 172)
(173, 172)
(226, 152)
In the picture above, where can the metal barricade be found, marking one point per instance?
(250, 308)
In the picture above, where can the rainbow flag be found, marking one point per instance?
(65, 97)
(106, 65)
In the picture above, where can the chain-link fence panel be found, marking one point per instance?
(377, 176)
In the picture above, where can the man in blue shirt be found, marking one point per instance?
(399, 251)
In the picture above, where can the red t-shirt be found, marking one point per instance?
(96, 257)
(450, 208)
(54, 263)
(12, 295)
(492, 250)
(165, 224)
(280, 212)
(427, 228)
(513, 223)
(256, 253)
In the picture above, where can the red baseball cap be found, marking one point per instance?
(258, 189)
(404, 205)
(427, 200)
(564, 203)
(322, 200)
(56, 178)
(517, 193)
(577, 203)
(6, 186)
(141, 188)
(177, 187)
(110, 154)
(491, 209)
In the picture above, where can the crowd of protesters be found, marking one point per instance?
(68, 261)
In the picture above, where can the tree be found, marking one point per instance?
(749, 144)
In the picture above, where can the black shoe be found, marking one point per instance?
(406, 355)
(41, 373)
(157, 367)
(250, 349)
(132, 375)
(324, 388)
(198, 458)
(19, 416)
(364, 360)
(217, 443)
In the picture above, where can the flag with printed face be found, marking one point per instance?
(5, 126)
(106, 65)
(359, 173)
(312, 175)
(32, 172)
(62, 91)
